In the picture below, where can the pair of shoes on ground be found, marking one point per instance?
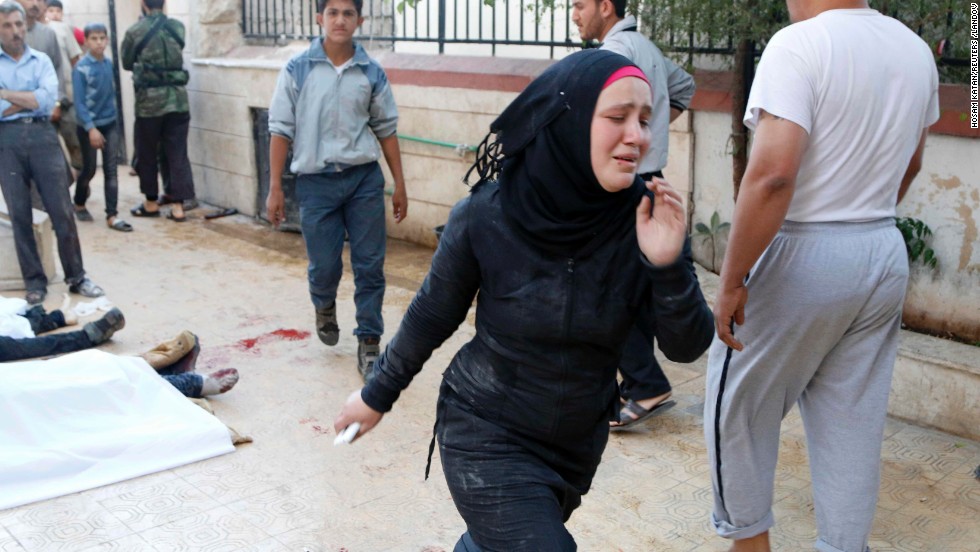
(82, 214)
(141, 211)
(368, 348)
(85, 287)
(633, 413)
(102, 329)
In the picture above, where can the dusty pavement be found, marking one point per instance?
(242, 289)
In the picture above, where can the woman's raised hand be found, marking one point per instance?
(661, 230)
(355, 410)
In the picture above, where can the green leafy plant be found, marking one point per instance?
(711, 233)
(915, 233)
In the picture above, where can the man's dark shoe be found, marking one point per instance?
(36, 296)
(87, 288)
(326, 325)
(82, 214)
(368, 350)
(102, 329)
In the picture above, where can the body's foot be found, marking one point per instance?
(102, 329)
(82, 214)
(118, 224)
(87, 288)
(634, 412)
(70, 317)
(35, 296)
(368, 349)
(219, 382)
(326, 325)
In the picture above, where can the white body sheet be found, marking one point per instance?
(91, 418)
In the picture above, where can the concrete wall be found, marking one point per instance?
(224, 92)
(452, 99)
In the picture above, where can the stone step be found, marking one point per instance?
(10, 276)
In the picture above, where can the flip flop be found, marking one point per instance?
(171, 216)
(121, 226)
(140, 211)
(641, 413)
(221, 213)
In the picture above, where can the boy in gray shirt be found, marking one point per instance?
(333, 104)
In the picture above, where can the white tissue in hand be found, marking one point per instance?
(348, 434)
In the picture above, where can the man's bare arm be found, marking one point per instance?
(22, 99)
(915, 165)
(763, 201)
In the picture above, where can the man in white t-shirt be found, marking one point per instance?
(814, 279)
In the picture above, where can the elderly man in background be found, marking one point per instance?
(29, 150)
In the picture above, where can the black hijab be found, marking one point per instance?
(549, 191)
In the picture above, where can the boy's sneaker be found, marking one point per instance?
(326, 325)
(102, 329)
(368, 350)
(82, 214)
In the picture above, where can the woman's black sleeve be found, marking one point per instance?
(438, 309)
(684, 323)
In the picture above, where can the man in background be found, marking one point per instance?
(645, 389)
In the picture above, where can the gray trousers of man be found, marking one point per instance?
(821, 330)
(31, 151)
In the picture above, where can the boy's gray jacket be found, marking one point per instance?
(332, 119)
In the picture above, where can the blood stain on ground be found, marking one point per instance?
(246, 344)
(305, 421)
(250, 344)
(319, 430)
(291, 335)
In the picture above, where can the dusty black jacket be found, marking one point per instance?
(549, 331)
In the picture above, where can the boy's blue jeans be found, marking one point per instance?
(351, 201)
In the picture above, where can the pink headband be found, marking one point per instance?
(623, 72)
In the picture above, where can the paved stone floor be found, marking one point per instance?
(235, 283)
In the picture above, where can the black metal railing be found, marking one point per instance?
(441, 22)
(510, 23)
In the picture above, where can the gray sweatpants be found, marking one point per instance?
(821, 329)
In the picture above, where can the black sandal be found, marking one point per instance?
(171, 216)
(121, 226)
(140, 211)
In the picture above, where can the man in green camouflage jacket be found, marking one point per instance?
(153, 50)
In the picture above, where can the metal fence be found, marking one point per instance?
(501, 23)
(441, 22)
